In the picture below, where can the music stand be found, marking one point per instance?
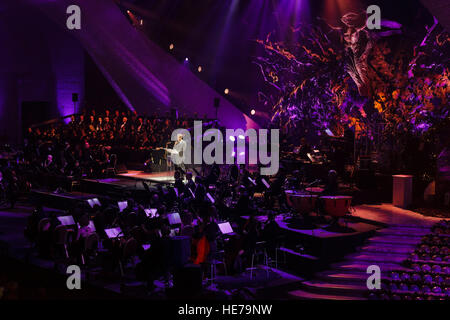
(210, 198)
(225, 228)
(122, 205)
(174, 218)
(151, 213)
(94, 201)
(66, 220)
(113, 233)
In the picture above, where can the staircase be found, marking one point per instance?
(346, 280)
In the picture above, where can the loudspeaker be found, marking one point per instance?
(216, 102)
(74, 97)
(188, 279)
(174, 114)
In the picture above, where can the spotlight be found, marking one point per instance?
(171, 46)
(142, 22)
(128, 11)
(186, 59)
(199, 69)
(241, 137)
(232, 138)
(226, 91)
(253, 112)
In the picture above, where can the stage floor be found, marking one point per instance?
(165, 176)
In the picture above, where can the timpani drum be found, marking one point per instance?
(337, 206)
(314, 190)
(301, 203)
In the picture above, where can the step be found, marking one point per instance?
(298, 254)
(343, 277)
(403, 232)
(355, 274)
(408, 226)
(394, 240)
(377, 257)
(362, 266)
(355, 289)
(301, 294)
(387, 248)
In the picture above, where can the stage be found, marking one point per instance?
(122, 185)
(133, 182)
(166, 177)
(341, 282)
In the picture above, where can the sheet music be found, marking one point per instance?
(66, 220)
(122, 205)
(210, 197)
(265, 183)
(252, 181)
(151, 213)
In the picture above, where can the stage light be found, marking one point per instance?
(199, 69)
(242, 153)
(128, 11)
(186, 59)
(233, 154)
(241, 137)
(226, 91)
(232, 138)
(142, 22)
(253, 112)
(171, 46)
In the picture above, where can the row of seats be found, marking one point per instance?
(429, 277)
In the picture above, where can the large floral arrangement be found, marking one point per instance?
(327, 78)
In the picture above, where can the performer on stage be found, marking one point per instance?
(178, 156)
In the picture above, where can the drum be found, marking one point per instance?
(337, 206)
(258, 195)
(314, 190)
(302, 203)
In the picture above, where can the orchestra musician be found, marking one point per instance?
(304, 149)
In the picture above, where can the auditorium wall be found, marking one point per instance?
(38, 63)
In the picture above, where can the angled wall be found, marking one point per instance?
(441, 10)
(145, 77)
(38, 62)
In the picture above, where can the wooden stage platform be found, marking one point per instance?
(308, 250)
(125, 185)
(157, 177)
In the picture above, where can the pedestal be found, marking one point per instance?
(402, 191)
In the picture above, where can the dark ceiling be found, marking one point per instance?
(218, 35)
